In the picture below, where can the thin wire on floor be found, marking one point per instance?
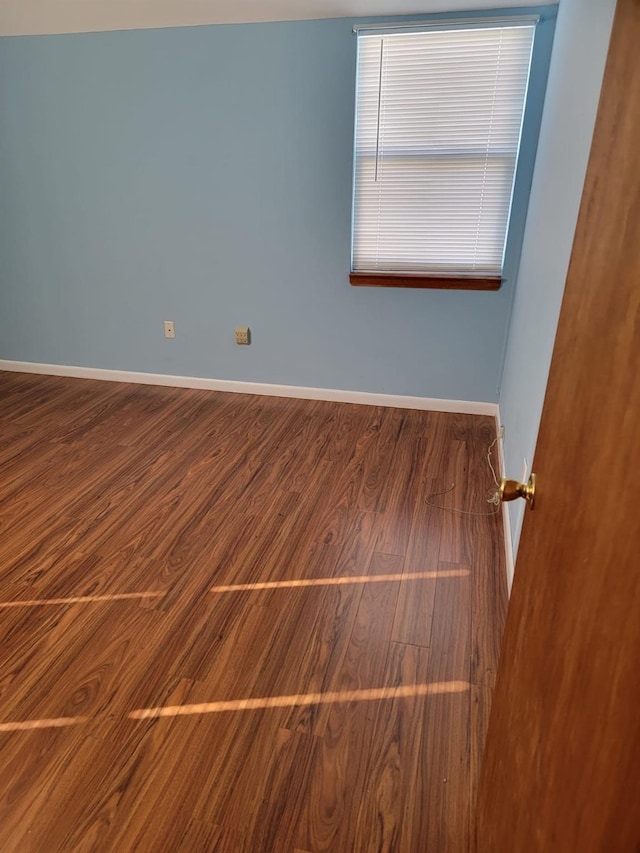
(494, 497)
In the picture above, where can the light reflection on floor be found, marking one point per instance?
(365, 695)
(372, 694)
(80, 599)
(339, 581)
(254, 703)
(28, 725)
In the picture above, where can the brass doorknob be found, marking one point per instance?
(511, 490)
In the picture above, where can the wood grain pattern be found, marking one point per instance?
(562, 768)
(129, 515)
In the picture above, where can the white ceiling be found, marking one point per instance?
(22, 17)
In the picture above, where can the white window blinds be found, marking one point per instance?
(438, 121)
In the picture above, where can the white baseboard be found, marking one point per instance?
(508, 546)
(506, 521)
(431, 404)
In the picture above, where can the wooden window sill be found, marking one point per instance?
(360, 279)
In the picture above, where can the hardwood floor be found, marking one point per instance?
(234, 623)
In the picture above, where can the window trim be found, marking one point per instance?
(426, 282)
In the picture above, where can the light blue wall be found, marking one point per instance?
(203, 175)
(575, 77)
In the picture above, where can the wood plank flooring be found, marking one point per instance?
(234, 623)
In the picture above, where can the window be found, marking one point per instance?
(439, 115)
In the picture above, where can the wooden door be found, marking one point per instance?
(562, 761)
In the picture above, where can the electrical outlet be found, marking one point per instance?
(243, 335)
(169, 329)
